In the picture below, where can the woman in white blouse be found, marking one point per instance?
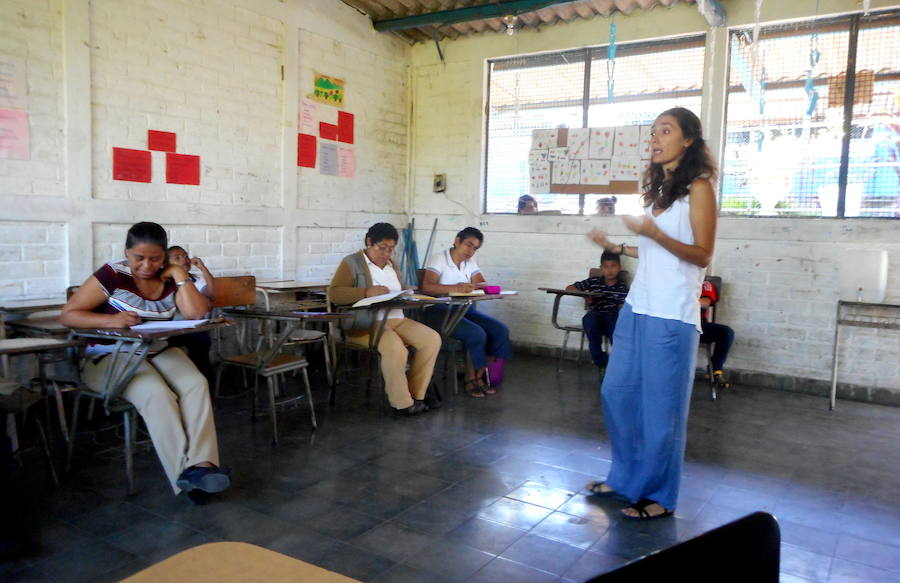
(484, 337)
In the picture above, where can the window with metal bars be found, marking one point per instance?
(813, 119)
(572, 89)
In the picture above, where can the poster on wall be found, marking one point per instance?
(328, 159)
(309, 115)
(15, 143)
(12, 83)
(606, 160)
(327, 89)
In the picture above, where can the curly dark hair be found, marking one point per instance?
(662, 190)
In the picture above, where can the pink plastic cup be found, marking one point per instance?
(492, 289)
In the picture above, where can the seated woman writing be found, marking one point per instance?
(370, 272)
(484, 337)
(167, 390)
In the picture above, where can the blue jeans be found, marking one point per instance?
(721, 337)
(646, 394)
(482, 335)
(597, 325)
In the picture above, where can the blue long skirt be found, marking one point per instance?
(646, 394)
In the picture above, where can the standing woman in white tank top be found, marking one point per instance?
(647, 387)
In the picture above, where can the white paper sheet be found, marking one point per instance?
(625, 168)
(601, 143)
(627, 138)
(644, 150)
(595, 172)
(566, 172)
(543, 139)
(537, 156)
(557, 154)
(382, 298)
(539, 177)
(160, 325)
(579, 143)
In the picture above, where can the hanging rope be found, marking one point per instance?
(756, 67)
(811, 94)
(611, 61)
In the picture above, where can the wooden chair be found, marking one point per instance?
(231, 291)
(237, 290)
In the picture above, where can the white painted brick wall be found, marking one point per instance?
(232, 250)
(376, 94)
(207, 71)
(31, 31)
(32, 259)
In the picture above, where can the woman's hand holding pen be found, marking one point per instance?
(124, 320)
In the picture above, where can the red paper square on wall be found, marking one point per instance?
(182, 169)
(345, 127)
(306, 150)
(328, 131)
(161, 141)
(132, 165)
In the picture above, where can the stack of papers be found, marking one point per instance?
(161, 325)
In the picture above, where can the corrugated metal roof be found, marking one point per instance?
(379, 10)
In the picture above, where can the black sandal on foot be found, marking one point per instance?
(596, 489)
(641, 508)
(473, 389)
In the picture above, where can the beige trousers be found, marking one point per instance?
(173, 398)
(398, 333)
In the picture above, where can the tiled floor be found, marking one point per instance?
(492, 490)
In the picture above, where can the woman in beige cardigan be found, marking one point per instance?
(370, 272)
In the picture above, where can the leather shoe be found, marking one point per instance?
(414, 409)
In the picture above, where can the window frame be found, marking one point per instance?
(829, 23)
(590, 54)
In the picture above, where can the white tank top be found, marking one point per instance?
(666, 286)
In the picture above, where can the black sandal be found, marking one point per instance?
(473, 389)
(596, 489)
(641, 508)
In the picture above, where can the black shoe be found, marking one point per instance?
(207, 478)
(414, 409)
(431, 402)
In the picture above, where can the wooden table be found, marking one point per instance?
(233, 562)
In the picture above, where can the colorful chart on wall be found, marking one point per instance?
(604, 160)
(326, 136)
(328, 89)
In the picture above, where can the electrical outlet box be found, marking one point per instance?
(440, 182)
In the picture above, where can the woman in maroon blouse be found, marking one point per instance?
(167, 390)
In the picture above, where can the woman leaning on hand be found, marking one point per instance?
(167, 390)
(647, 387)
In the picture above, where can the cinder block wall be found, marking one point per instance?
(780, 275)
(226, 76)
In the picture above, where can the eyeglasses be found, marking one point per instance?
(389, 249)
